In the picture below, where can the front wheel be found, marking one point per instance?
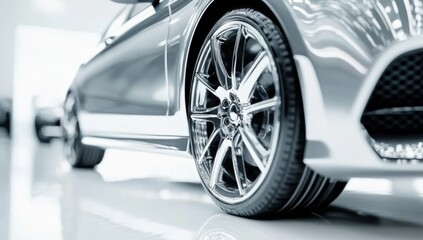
(247, 123)
(77, 154)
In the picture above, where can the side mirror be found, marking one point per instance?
(134, 1)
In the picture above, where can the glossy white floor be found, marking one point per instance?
(144, 196)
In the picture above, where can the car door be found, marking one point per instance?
(126, 79)
(183, 13)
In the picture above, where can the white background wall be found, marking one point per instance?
(90, 16)
(8, 18)
(42, 43)
(46, 61)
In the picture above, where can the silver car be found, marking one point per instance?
(278, 102)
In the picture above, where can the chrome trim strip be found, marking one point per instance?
(135, 136)
(134, 146)
(179, 143)
(394, 110)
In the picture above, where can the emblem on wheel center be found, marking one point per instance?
(234, 112)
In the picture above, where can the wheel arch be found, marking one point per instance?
(279, 11)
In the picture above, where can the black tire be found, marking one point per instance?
(8, 123)
(38, 131)
(84, 156)
(41, 138)
(87, 156)
(289, 186)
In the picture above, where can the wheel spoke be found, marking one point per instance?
(250, 79)
(239, 171)
(261, 106)
(218, 161)
(200, 77)
(238, 56)
(69, 104)
(206, 111)
(221, 72)
(218, 92)
(207, 115)
(208, 144)
(213, 118)
(256, 149)
(68, 146)
(70, 127)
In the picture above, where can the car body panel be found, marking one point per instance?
(348, 46)
(340, 48)
(120, 83)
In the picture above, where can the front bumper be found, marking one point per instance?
(337, 143)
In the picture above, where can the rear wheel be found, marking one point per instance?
(247, 123)
(77, 154)
(8, 123)
(39, 132)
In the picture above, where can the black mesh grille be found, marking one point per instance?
(401, 85)
(394, 123)
(400, 89)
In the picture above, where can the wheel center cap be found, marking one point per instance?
(234, 113)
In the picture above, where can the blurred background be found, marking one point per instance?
(42, 44)
(133, 195)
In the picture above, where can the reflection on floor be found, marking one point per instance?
(144, 196)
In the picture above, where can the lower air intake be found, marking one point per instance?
(393, 117)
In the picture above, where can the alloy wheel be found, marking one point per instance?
(70, 127)
(235, 111)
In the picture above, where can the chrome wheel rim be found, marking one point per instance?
(70, 128)
(235, 111)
